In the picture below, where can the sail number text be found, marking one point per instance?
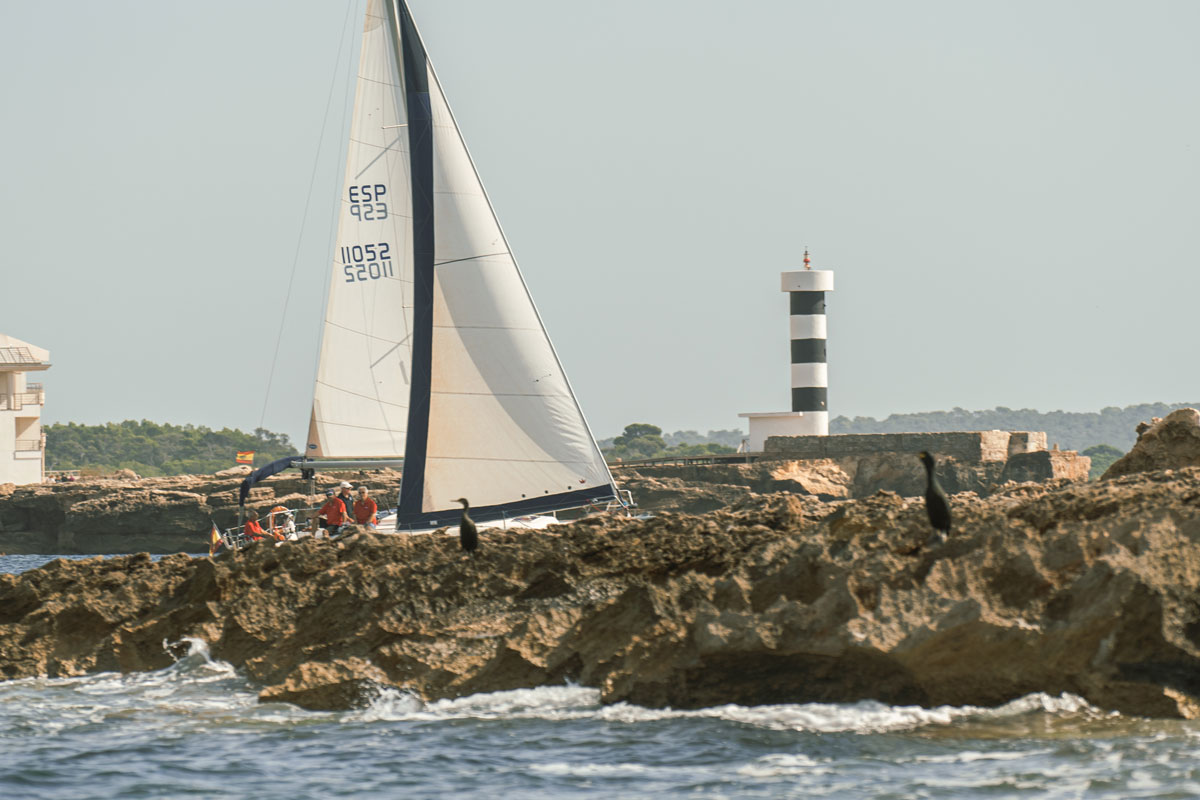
(366, 202)
(365, 262)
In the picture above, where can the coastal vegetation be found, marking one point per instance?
(1102, 456)
(154, 449)
(641, 440)
(159, 449)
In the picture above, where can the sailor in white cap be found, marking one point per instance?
(347, 499)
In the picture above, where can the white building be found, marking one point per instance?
(22, 444)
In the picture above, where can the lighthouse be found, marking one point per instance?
(809, 416)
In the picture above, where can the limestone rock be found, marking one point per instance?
(319, 686)
(1167, 443)
(1087, 588)
(126, 475)
(240, 469)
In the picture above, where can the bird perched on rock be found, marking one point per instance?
(936, 502)
(468, 536)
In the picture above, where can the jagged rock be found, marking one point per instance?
(343, 683)
(126, 475)
(1088, 588)
(1167, 443)
(240, 469)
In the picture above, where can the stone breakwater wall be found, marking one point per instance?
(968, 447)
(1088, 588)
(852, 465)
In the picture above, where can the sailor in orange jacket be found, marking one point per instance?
(365, 509)
(253, 530)
(333, 512)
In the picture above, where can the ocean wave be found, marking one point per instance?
(577, 702)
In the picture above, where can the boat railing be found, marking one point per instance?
(303, 524)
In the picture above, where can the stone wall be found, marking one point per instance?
(967, 447)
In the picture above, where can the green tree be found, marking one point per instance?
(1102, 456)
(641, 440)
(151, 448)
(639, 430)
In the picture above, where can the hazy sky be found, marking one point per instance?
(1009, 193)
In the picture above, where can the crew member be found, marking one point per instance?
(252, 530)
(365, 509)
(333, 514)
(347, 497)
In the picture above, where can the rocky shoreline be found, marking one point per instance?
(1087, 588)
(1082, 588)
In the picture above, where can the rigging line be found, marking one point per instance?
(304, 216)
(382, 153)
(390, 351)
(353, 393)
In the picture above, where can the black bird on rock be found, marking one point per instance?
(936, 502)
(468, 535)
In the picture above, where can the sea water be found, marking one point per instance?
(196, 730)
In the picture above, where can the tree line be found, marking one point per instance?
(155, 449)
(642, 440)
(1070, 430)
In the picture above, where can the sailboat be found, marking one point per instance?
(432, 349)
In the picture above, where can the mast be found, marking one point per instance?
(420, 158)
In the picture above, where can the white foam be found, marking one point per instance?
(969, 756)
(587, 770)
(390, 705)
(576, 702)
(781, 765)
(546, 702)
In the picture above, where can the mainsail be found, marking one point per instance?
(432, 347)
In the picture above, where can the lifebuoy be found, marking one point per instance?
(278, 531)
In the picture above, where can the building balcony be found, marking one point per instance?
(15, 402)
(28, 448)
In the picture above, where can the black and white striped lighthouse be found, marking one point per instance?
(806, 290)
(809, 416)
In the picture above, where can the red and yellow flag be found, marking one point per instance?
(245, 457)
(214, 541)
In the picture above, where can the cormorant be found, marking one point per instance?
(936, 502)
(468, 536)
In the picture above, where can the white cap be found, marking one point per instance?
(345, 484)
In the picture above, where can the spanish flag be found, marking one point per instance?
(245, 457)
(214, 541)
